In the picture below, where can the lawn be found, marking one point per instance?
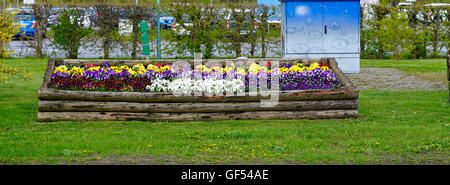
(395, 127)
(431, 69)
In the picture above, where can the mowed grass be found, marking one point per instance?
(430, 69)
(395, 127)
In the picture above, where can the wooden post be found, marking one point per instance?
(448, 76)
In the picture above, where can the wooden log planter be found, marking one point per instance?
(65, 105)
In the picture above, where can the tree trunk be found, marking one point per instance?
(41, 13)
(264, 30)
(136, 19)
(106, 47)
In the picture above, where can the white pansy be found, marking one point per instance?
(188, 85)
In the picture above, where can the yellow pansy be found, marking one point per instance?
(284, 69)
(240, 71)
(314, 66)
(165, 68)
(296, 69)
(131, 71)
(138, 67)
(94, 68)
(324, 68)
(205, 69)
(116, 69)
(152, 67)
(254, 69)
(77, 70)
(61, 69)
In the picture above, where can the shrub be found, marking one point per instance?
(396, 33)
(7, 72)
(8, 28)
(383, 26)
(69, 32)
(108, 23)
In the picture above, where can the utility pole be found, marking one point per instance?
(158, 39)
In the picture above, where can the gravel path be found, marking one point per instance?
(391, 79)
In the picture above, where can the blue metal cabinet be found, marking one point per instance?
(304, 27)
(341, 19)
(322, 28)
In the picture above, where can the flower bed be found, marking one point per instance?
(168, 78)
(114, 90)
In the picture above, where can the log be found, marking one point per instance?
(48, 73)
(88, 106)
(339, 74)
(265, 115)
(294, 95)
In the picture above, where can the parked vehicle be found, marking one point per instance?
(125, 23)
(180, 30)
(246, 30)
(27, 24)
(166, 21)
(53, 18)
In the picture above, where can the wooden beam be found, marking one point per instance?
(265, 115)
(294, 95)
(89, 106)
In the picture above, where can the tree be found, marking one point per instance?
(70, 32)
(108, 22)
(396, 33)
(419, 49)
(196, 29)
(136, 15)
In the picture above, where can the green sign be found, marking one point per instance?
(145, 39)
(146, 49)
(144, 27)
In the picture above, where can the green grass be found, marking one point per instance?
(430, 65)
(395, 127)
(431, 69)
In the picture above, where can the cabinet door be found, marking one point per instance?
(304, 29)
(341, 22)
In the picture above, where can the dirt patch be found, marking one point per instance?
(167, 160)
(133, 160)
(384, 159)
(392, 79)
